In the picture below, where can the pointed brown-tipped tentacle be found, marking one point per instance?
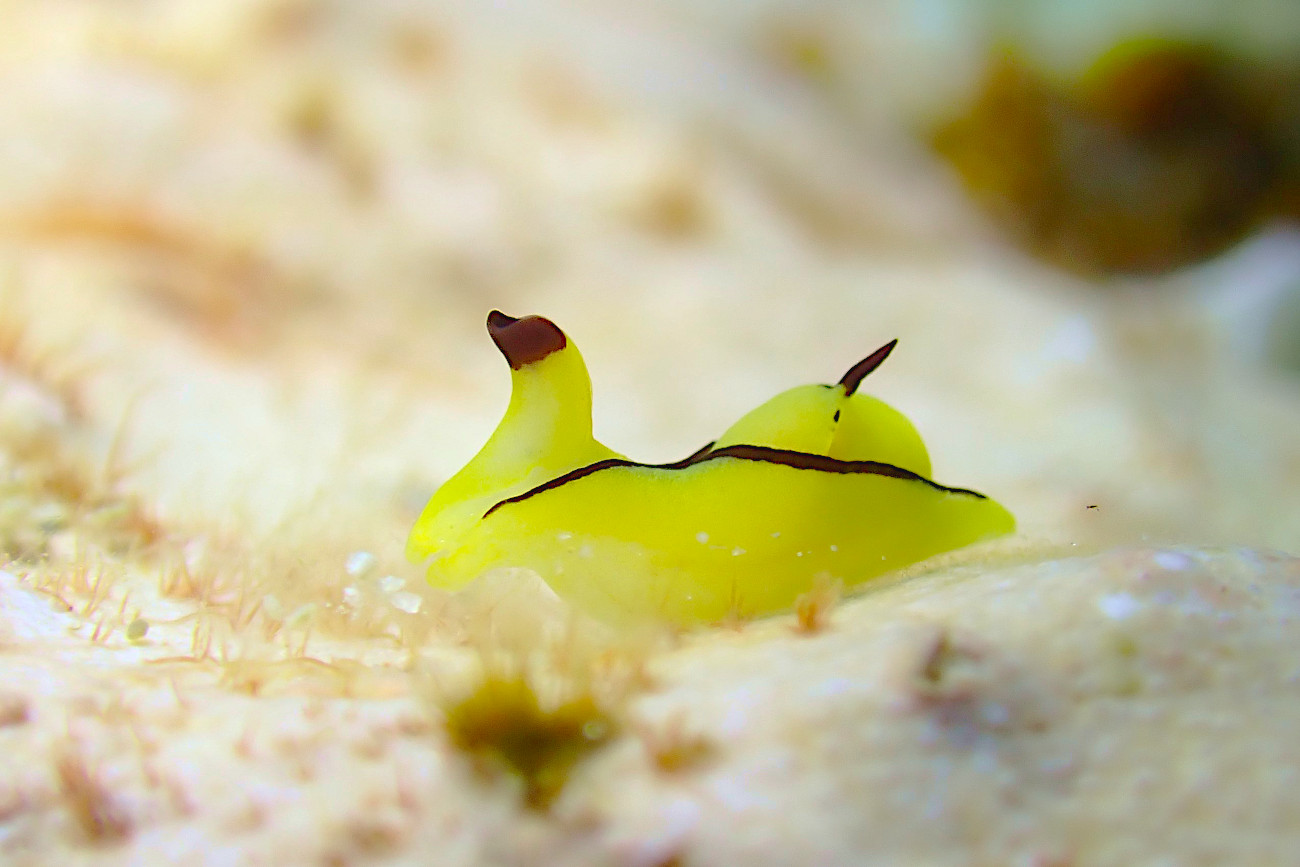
(524, 341)
(858, 372)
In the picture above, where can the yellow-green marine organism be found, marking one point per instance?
(820, 481)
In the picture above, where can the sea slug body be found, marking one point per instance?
(820, 481)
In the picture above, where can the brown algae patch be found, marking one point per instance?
(506, 726)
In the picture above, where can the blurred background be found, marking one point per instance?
(264, 235)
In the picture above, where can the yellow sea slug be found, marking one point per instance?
(819, 481)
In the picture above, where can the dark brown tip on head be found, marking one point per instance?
(859, 371)
(497, 319)
(524, 341)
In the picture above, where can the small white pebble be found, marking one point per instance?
(359, 563)
(564, 536)
(798, 553)
(1119, 606)
(736, 552)
(351, 596)
(391, 584)
(835, 548)
(702, 537)
(406, 601)
(1172, 560)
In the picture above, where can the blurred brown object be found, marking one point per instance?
(1160, 155)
